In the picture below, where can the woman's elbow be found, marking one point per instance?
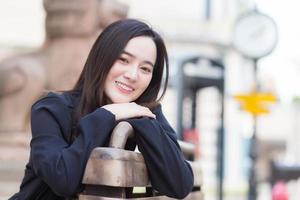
(185, 188)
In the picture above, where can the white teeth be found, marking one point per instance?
(125, 87)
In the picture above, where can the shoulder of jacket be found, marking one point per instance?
(157, 108)
(53, 98)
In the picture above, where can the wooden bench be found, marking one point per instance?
(112, 172)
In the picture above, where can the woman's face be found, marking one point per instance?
(132, 72)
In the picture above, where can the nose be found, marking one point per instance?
(131, 73)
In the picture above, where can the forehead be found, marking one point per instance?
(143, 48)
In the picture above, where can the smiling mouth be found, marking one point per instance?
(123, 87)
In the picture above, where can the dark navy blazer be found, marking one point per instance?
(56, 166)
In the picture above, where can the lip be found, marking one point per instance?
(124, 88)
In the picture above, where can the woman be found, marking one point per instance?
(120, 81)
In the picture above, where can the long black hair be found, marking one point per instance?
(105, 51)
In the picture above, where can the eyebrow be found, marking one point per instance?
(131, 55)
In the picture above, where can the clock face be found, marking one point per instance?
(255, 35)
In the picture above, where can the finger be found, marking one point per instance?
(154, 116)
(149, 113)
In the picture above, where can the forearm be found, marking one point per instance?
(62, 165)
(169, 173)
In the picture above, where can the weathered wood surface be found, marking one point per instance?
(116, 167)
(120, 135)
(198, 176)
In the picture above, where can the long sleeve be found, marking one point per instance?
(59, 164)
(170, 174)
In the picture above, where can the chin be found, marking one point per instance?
(121, 100)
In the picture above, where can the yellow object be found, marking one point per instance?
(255, 102)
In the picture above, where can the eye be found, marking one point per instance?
(123, 60)
(146, 69)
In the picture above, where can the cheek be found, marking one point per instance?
(114, 71)
(147, 82)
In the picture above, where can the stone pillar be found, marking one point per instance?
(71, 29)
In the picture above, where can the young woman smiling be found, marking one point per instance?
(121, 80)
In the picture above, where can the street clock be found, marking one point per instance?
(255, 35)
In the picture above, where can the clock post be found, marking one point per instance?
(255, 36)
(255, 104)
(252, 192)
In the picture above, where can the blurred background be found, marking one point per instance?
(233, 91)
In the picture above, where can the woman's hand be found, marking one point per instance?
(128, 110)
